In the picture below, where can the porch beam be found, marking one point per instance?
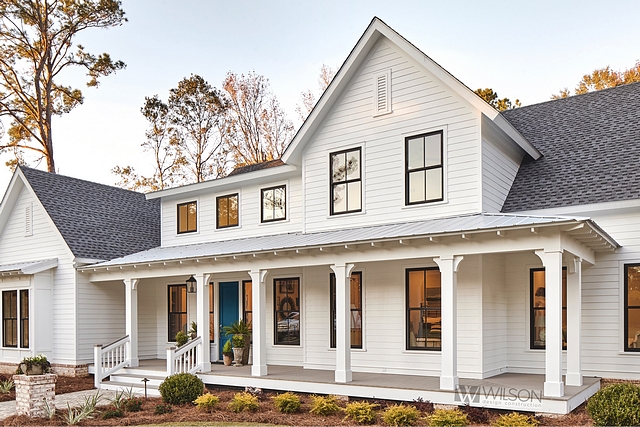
(343, 373)
(258, 321)
(131, 319)
(202, 316)
(574, 321)
(449, 318)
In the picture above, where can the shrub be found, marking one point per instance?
(133, 404)
(243, 402)
(112, 413)
(324, 405)
(207, 402)
(181, 388)
(361, 412)
(401, 415)
(181, 339)
(6, 386)
(476, 415)
(287, 403)
(238, 341)
(226, 348)
(515, 419)
(448, 417)
(423, 405)
(615, 405)
(163, 408)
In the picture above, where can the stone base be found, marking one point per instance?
(56, 368)
(32, 391)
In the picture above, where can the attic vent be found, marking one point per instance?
(28, 220)
(382, 93)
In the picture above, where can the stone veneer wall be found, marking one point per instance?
(57, 368)
(31, 393)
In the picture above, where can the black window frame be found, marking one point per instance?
(627, 308)
(10, 320)
(408, 310)
(212, 298)
(332, 310)
(277, 308)
(533, 309)
(228, 196)
(178, 206)
(408, 172)
(346, 182)
(245, 300)
(24, 318)
(262, 211)
(170, 313)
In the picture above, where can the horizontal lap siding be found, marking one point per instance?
(419, 103)
(494, 314)
(498, 172)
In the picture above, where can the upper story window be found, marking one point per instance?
(424, 181)
(538, 305)
(424, 309)
(187, 217)
(274, 203)
(346, 181)
(632, 307)
(227, 215)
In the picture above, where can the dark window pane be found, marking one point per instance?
(227, 215)
(212, 334)
(538, 305)
(187, 217)
(632, 307)
(356, 309)
(177, 310)
(424, 169)
(24, 318)
(633, 328)
(424, 309)
(9, 318)
(287, 311)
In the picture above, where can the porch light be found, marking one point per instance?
(191, 285)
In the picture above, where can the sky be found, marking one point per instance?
(521, 49)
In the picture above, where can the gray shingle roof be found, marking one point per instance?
(97, 221)
(590, 145)
(256, 167)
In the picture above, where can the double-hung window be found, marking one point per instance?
(227, 214)
(177, 310)
(286, 297)
(15, 318)
(346, 181)
(187, 217)
(424, 309)
(632, 307)
(538, 332)
(424, 171)
(355, 312)
(274, 203)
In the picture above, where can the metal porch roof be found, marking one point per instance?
(29, 267)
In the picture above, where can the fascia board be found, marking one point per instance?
(10, 198)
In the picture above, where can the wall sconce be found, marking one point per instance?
(191, 285)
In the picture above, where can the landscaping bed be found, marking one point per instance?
(63, 385)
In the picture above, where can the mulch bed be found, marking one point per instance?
(63, 385)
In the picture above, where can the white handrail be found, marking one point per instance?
(185, 358)
(110, 358)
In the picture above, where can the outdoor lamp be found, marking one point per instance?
(191, 285)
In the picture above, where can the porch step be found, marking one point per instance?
(138, 389)
(136, 380)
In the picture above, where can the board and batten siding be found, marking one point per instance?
(420, 104)
(45, 243)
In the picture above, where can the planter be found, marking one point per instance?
(32, 370)
(237, 356)
(227, 358)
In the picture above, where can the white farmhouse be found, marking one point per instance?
(403, 247)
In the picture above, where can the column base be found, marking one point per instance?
(206, 367)
(553, 389)
(574, 379)
(343, 376)
(134, 363)
(448, 383)
(258, 370)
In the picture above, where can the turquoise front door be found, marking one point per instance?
(228, 304)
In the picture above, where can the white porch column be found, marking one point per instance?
(258, 322)
(202, 314)
(131, 319)
(552, 261)
(343, 322)
(449, 324)
(574, 321)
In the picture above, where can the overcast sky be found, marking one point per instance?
(525, 50)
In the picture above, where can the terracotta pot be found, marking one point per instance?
(227, 359)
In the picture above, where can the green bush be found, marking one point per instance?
(615, 405)
(324, 405)
(287, 403)
(112, 413)
(361, 412)
(238, 341)
(400, 415)
(181, 388)
(163, 408)
(226, 348)
(243, 402)
(207, 402)
(516, 420)
(448, 417)
(133, 405)
(181, 339)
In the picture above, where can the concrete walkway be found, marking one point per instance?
(74, 399)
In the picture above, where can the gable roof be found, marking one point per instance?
(590, 145)
(256, 167)
(96, 221)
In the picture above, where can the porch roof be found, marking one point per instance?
(582, 229)
(29, 267)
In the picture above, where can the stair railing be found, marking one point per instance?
(185, 358)
(110, 358)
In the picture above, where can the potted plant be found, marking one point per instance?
(242, 328)
(227, 353)
(238, 348)
(36, 365)
(181, 339)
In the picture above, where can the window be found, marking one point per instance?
(10, 318)
(187, 217)
(356, 309)
(424, 181)
(274, 204)
(177, 310)
(247, 302)
(346, 181)
(227, 211)
(538, 331)
(24, 318)
(287, 311)
(424, 311)
(632, 307)
(212, 335)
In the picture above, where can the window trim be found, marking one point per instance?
(407, 171)
(626, 307)
(532, 309)
(169, 312)
(195, 230)
(408, 310)
(226, 196)
(346, 181)
(333, 312)
(262, 191)
(276, 310)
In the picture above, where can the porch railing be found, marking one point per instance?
(110, 358)
(186, 358)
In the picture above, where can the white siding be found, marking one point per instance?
(499, 168)
(494, 315)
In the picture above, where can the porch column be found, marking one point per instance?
(131, 319)
(202, 316)
(343, 322)
(258, 322)
(552, 261)
(449, 320)
(574, 321)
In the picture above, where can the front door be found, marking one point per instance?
(228, 307)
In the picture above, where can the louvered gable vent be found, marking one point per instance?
(382, 93)
(28, 220)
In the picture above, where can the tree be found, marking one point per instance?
(492, 99)
(256, 129)
(36, 45)
(603, 78)
(308, 99)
